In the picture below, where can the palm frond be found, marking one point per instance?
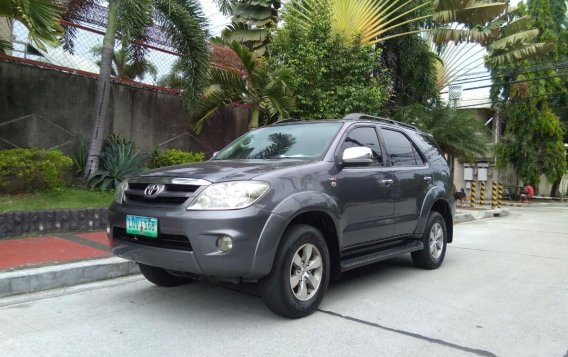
(471, 15)
(215, 100)
(514, 39)
(529, 50)
(184, 22)
(445, 35)
(40, 17)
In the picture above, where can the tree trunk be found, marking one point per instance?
(254, 118)
(452, 167)
(103, 93)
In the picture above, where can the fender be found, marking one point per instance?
(281, 216)
(435, 193)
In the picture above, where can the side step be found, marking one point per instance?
(382, 255)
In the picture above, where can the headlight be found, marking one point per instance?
(229, 195)
(119, 193)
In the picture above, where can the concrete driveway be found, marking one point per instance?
(503, 290)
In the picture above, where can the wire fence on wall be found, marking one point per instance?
(156, 70)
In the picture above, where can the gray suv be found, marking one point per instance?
(290, 206)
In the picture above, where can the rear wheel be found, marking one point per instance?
(162, 277)
(300, 274)
(435, 242)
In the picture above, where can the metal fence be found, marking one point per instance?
(157, 69)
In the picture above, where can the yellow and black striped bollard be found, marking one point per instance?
(500, 197)
(482, 193)
(472, 196)
(494, 195)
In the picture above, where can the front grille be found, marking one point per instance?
(171, 241)
(172, 195)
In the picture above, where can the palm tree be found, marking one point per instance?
(40, 17)
(182, 20)
(458, 132)
(265, 92)
(374, 20)
(126, 66)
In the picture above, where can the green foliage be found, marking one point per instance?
(268, 92)
(532, 142)
(40, 17)
(119, 160)
(29, 170)
(331, 78)
(251, 23)
(80, 158)
(458, 132)
(172, 157)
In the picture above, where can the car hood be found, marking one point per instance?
(224, 170)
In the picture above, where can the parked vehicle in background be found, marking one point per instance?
(290, 206)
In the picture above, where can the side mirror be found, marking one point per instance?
(214, 154)
(358, 155)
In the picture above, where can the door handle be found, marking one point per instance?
(387, 182)
(428, 178)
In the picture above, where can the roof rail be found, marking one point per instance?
(360, 116)
(287, 120)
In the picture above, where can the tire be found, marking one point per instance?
(292, 289)
(161, 277)
(435, 241)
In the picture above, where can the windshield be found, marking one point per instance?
(309, 141)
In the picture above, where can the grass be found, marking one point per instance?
(66, 198)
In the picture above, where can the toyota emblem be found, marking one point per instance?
(151, 191)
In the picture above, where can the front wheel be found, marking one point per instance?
(435, 242)
(300, 274)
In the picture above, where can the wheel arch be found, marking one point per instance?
(312, 208)
(436, 201)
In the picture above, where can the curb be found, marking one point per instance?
(59, 276)
(472, 216)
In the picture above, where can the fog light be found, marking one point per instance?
(225, 243)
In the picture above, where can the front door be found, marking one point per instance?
(364, 192)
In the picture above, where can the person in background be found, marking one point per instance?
(528, 192)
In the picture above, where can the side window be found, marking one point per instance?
(367, 137)
(400, 149)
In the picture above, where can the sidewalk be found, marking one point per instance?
(31, 264)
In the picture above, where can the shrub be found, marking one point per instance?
(28, 170)
(172, 157)
(119, 160)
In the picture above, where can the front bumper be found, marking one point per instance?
(249, 258)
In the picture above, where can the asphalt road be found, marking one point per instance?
(503, 290)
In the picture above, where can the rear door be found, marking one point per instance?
(412, 179)
(364, 192)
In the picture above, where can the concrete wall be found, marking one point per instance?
(47, 108)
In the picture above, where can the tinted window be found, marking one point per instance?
(365, 137)
(400, 149)
(309, 141)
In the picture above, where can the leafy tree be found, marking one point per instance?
(182, 20)
(533, 140)
(266, 91)
(40, 17)
(331, 78)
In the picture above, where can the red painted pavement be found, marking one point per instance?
(97, 237)
(31, 251)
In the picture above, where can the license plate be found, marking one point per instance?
(144, 226)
